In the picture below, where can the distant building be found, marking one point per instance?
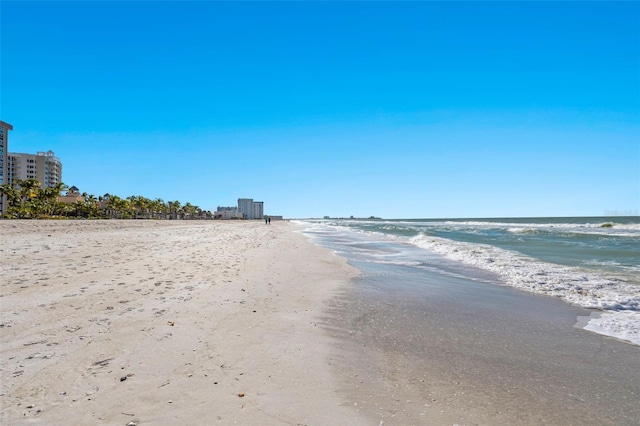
(73, 196)
(258, 209)
(45, 167)
(4, 160)
(245, 207)
(227, 213)
(251, 209)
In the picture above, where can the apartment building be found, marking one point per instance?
(227, 213)
(258, 209)
(245, 207)
(45, 167)
(251, 209)
(4, 159)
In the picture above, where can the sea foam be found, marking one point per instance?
(619, 299)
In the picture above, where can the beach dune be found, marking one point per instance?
(166, 322)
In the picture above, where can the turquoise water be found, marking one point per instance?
(584, 242)
(592, 262)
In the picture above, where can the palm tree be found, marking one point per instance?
(189, 210)
(51, 196)
(126, 208)
(133, 200)
(158, 208)
(13, 199)
(40, 203)
(90, 205)
(26, 199)
(143, 204)
(64, 209)
(174, 207)
(29, 189)
(113, 206)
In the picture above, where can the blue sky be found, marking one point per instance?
(393, 109)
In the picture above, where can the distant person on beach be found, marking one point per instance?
(269, 221)
(266, 219)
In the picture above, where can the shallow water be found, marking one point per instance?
(434, 348)
(588, 262)
(436, 341)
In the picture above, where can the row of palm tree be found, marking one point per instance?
(26, 199)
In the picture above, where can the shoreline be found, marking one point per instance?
(524, 255)
(154, 322)
(434, 348)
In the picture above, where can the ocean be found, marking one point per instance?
(590, 262)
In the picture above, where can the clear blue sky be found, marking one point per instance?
(414, 109)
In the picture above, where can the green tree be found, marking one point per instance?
(188, 211)
(13, 199)
(140, 205)
(50, 196)
(114, 207)
(91, 205)
(159, 209)
(174, 209)
(29, 191)
(26, 199)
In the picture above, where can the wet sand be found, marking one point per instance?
(436, 349)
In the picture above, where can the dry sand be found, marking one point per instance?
(167, 322)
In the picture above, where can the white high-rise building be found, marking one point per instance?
(258, 209)
(251, 209)
(245, 206)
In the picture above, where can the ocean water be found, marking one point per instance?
(592, 262)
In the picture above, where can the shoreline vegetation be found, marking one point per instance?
(26, 199)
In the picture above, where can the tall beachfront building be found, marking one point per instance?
(4, 160)
(258, 209)
(251, 209)
(45, 167)
(245, 207)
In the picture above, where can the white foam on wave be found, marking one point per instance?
(588, 289)
(598, 228)
(604, 225)
(613, 264)
(621, 325)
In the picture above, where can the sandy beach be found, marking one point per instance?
(167, 322)
(203, 322)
